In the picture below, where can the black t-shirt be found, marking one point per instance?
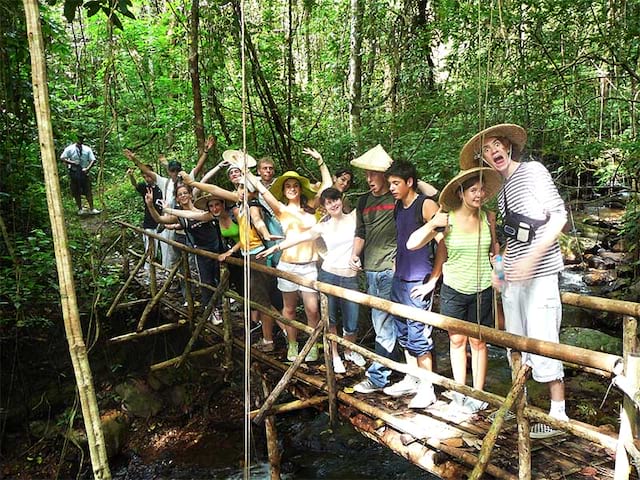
(141, 188)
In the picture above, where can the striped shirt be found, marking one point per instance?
(530, 191)
(467, 269)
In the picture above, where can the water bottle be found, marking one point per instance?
(498, 267)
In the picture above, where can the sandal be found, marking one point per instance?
(540, 430)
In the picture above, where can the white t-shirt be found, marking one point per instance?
(338, 237)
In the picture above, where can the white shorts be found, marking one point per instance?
(307, 270)
(532, 308)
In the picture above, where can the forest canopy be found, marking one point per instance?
(417, 77)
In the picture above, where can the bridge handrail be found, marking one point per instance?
(606, 362)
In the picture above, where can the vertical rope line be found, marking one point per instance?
(246, 269)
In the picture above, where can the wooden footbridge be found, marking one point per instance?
(439, 439)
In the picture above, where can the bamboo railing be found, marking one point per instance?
(624, 372)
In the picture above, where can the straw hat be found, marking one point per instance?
(492, 180)
(236, 159)
(376, 160)
(202, 201)
(514, 133)
(307, 190)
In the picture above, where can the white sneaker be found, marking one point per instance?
(473, 405)
(356, 358)
(366, 386)
(94, 211)
(409, 384)
(338, 366)
(82, 211)
(215, 317)
(425, 396)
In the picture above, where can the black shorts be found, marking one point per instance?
(79, 182)
(465, 307)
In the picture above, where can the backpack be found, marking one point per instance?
(274, 227)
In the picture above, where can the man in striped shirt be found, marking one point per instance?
(530, 293)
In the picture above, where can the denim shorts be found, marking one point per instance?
(465, 306)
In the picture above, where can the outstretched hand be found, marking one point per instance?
(313, 153)
(186, 178)
(129, 154)
(267, 252)
(425, 289)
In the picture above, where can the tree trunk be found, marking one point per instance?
(194, 71)
(355, 68)
(68, 300)
(281, 137)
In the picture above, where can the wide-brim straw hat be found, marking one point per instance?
(471, 153)
(307, 190)
(236, 158)
(376, 160)
(492, 181)
(202, 201)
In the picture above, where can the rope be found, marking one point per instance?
(245, 270)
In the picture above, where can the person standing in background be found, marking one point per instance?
(80, 159)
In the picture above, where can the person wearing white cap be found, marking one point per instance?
(534, 215)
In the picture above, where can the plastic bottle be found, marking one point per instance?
(498, 268)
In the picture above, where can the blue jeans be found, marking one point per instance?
(379, 285)
(413, 336)
(348, 309)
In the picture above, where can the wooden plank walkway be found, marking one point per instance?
(562, 457)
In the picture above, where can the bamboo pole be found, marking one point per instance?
(153, 279)
(188, 293)
(328, 361)
(524, 439)
(132, 303)
(628, 411)
(598, 360)
(492, 435)
(603, 304)
(215, 298)
(227, 335)
(281, 385)
(125, 257)
(68, 299)
(273, 451)
(174, 361)
(293, 406)
(154, 301)
(124, 287)
(145, 333)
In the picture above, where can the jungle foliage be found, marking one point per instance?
(430, 74)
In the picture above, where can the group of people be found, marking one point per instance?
(401, 238)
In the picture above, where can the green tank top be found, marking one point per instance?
(233, 232)
(467, 269)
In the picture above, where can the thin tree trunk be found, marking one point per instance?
(355, 68)
(68, 300)
(194, 71)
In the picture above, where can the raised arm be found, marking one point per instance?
(132, 178)
(272, 201)
(141, 166)
(427, 189)
(327, 181)
(209, 188)
(196, 214)
(211, 141)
